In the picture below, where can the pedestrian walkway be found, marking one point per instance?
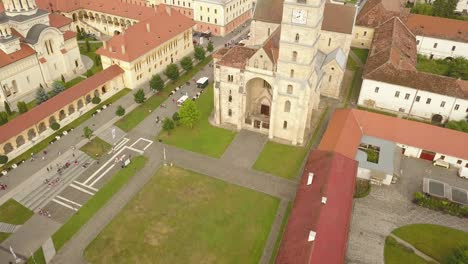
(245, 148)
(55, 184)
(8, 228)
(274, 233)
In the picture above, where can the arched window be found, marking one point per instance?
(329, 42)
(230, 98)
(329, 78)
(291, 74)
(294, 56)
(285, 124)
(290, 89)
(297, 37)
(255, 63)
(287, 106)
(229, 112)
(269, 31)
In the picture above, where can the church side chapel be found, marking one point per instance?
(297, 52)
(36, 48)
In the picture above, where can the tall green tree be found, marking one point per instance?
(41, 96)
(7, 107)
(139, 96)
(87, 132)
(186, 63)
(88, 46)
(199, 53)
(189, 114)
(444, 8)
(172, 72)
(168, 125)
(210, 47)
(57, 87)
(156, 83)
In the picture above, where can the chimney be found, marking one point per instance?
(148, 28)
(123, 49)
(104, 44)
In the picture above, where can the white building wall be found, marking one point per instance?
(423, 104)
(415, 152)
(462, 6)
(441, 48)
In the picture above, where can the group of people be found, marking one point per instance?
(3, 187)
(42, 212)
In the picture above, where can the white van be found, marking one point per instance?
(463, 172)
(202, 82)
(182, 100)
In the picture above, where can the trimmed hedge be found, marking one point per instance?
(441, 205)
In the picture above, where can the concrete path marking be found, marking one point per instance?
(81, 189)
(64, 204)
(49, 250)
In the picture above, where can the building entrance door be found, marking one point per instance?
(265, 110)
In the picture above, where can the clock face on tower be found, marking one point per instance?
(299, 16)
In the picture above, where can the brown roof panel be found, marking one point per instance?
(270, 11)
(57, 20)
(438, 27)
(237, 57)
(376, 12)
(24, 52)
(345, 13)
(44, 110)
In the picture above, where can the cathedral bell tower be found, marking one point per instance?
(20, 7)
(297, 75)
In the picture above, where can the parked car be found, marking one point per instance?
(463, 172)
(441, 163)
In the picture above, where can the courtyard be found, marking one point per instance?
(185, 217)
(387, 208)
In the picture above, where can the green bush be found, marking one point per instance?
(442, 205)
(3, 159)
(458, 256)
(3, 118)
(55, 126)
(120, 111)
(96, 100)
(7, 107)
(139, 96)
(22, 107)
(176, 117)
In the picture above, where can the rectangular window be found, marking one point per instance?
(397, 94)
(417, 42)
(329, 42)
(365, 33)
(435, 45)
(376, 90)
(442, 104)
(407, 96)
(442, 157)
(457, 106)
(459, 162)
(428, 101)
(453, 48)
(418, 98)
(285, 124)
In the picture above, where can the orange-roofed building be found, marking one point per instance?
(156, 47)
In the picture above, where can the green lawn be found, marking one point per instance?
(14, 213)
(45, 143)
(361, 53)
(280, 235)
(434, 240)
(4, 236)
(395, 253)
(97, 201)
(91, 54)
(284, 160)
(135, 117)
(203, 138)
(73, 82)
(96, 148)
(455, 68)
(185, 217)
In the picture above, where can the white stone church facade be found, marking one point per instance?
(32, 51)
(297, 52)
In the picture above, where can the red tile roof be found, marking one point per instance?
(117, 8)
(24, 52)
(438, 27)
(136, 39)
(57, 20)
(345, 13)
(44, 110)
(375, 12)
(237, 57)
(334, 178)
(69, 34)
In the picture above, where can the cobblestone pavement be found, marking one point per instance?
(387, 208)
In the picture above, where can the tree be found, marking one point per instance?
(3, 118)
(88, 46)
(199, 53)
(139, 96)
(189, 114)
(7, 107)
(156, 83)
(22, 107)
(63, 79)
(41, 96)
(168, 125)
(461, 125)
(98, 61)
(210, 47)
(3, 159)
(96, 100)
(55, 126)
(172, 72)
(176, 118)
(87, 132)
(120, 111)
(458, 256)
(57, 87)
(186, 63)
(444, 8)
